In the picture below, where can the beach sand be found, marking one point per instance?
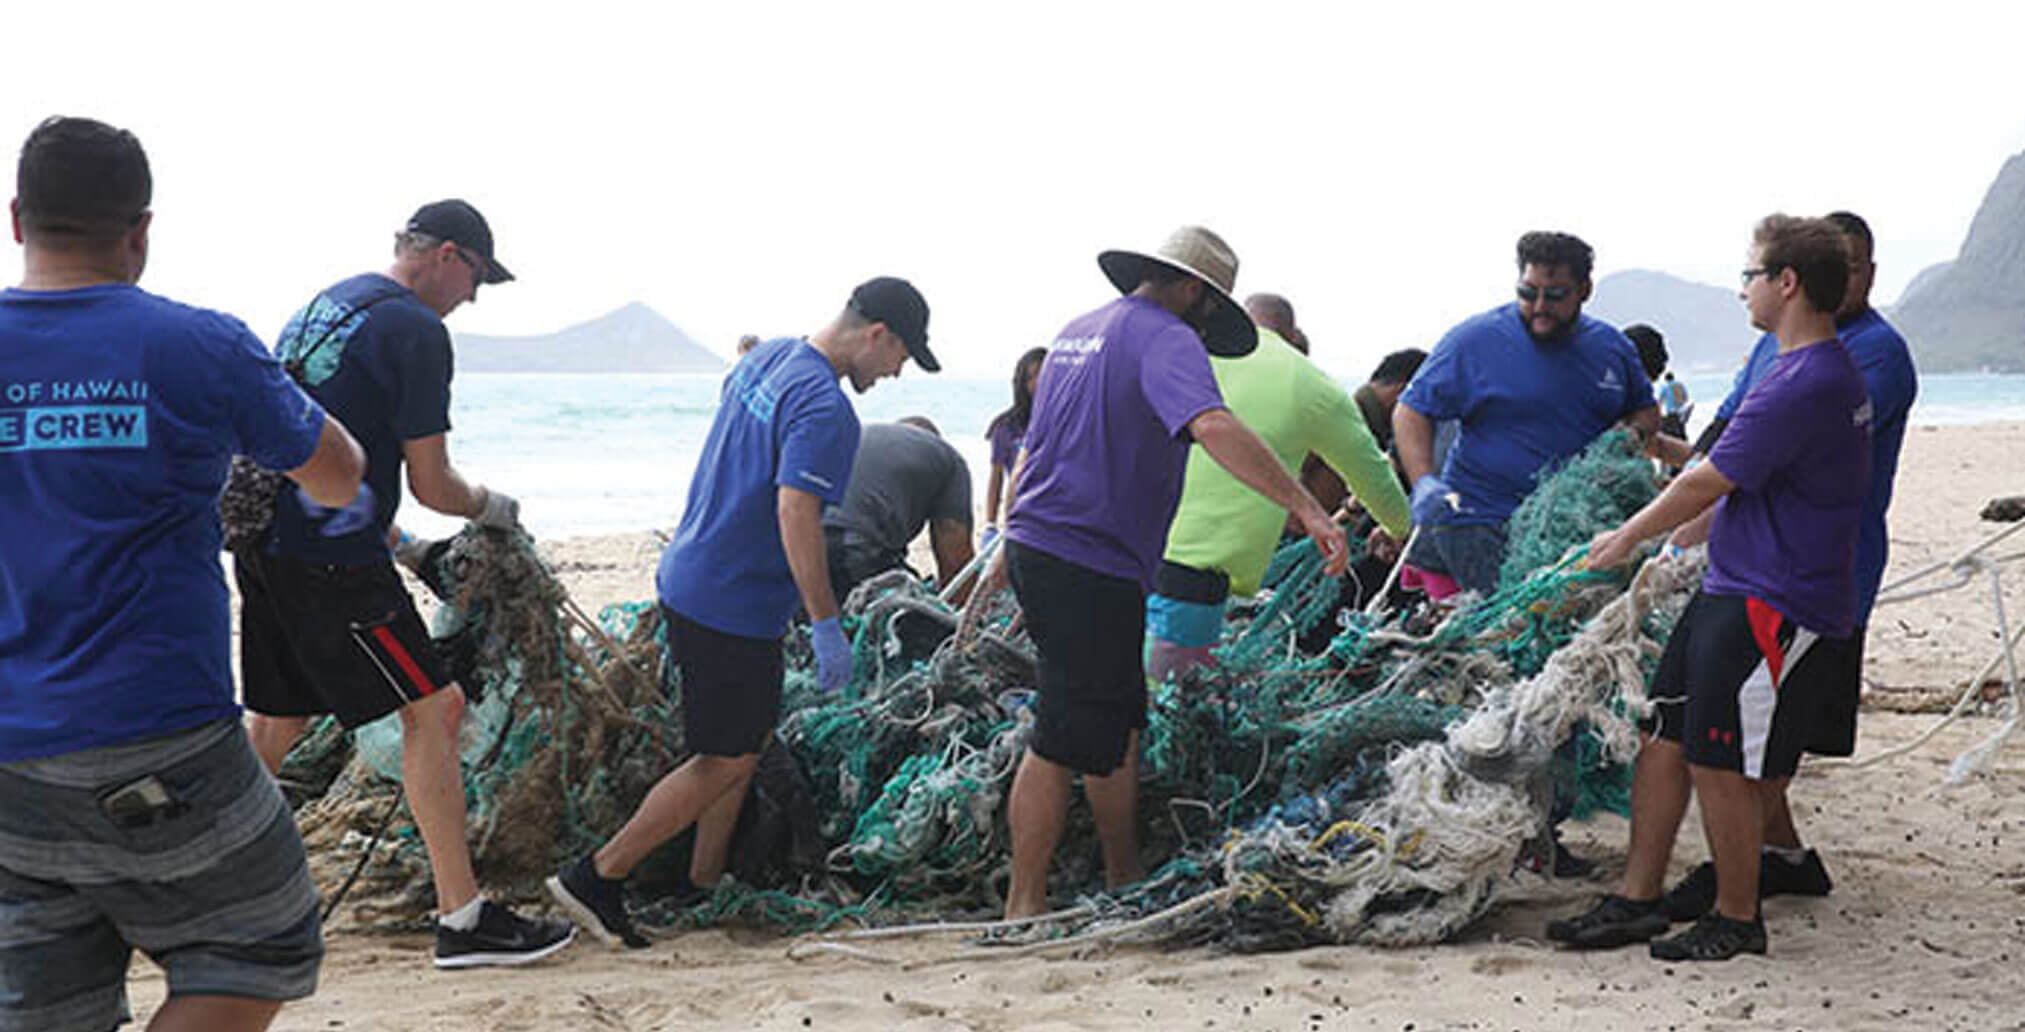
(1925, 928)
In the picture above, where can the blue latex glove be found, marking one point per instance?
(833, 654)
(339, 521)
(1431, 502)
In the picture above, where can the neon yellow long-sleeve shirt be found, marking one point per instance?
(1295, 408)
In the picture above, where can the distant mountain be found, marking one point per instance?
(633, 339)
(1705, 327)
(1970, 313)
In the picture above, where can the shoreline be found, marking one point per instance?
(1923, 928)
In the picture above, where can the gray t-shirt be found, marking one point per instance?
(902, 478)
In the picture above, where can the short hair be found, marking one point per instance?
(1852, 225)
(82, 178)
(919, 423)
(410, 241)
(1399, 366)
(1271, 311)
(1651, 345)
(1813, 248)
(1548, 249)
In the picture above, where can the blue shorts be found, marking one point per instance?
(1471, 554)
(1180, 635)
(178, 846)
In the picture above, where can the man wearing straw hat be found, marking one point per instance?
(1125, 390)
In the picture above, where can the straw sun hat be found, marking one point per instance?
(1227, 332)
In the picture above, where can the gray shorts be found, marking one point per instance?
(178, 846)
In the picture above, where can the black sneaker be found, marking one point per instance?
(500, 937)
(1693, 895)
(1714, 937)
(1777, 876)
(596, 903)
(1614, 921)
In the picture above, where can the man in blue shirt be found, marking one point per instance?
(1532, 382)
(327, 626)
(749, 548)
(133, 815)
(1788, 867)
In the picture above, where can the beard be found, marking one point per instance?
(1555, 334)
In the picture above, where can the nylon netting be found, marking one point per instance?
(1379, 791)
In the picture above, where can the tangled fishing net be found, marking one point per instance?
(1379, 790)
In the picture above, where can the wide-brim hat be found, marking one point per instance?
(1227, 332)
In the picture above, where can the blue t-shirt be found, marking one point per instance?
(1108, 440)
(1887, 367)
(782, 421)
(1798, 450)
(119, 415)
(1523, 405)
(383, 369)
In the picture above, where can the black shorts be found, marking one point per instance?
(1743, 688)
(1835, 733)
(318, 639)
(1089, 629)
(730, 686)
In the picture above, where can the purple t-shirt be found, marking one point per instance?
(1108, 439)
(1005, 436)
(1798, 450)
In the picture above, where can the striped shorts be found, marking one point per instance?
(178, 846)
(1743, 688)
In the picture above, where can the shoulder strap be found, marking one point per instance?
(298, 366)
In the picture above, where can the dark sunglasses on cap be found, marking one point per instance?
(1554, 295)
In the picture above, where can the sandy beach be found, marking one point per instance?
(1925, 928)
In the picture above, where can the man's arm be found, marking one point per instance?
(1645, 422)
(1688, 496)
(437, 484)
(1346, 444)
(801, 537)
(1413, 435)
(950, 540)
(332, 473)
(1236, 448)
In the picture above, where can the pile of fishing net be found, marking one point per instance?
(1379, 790)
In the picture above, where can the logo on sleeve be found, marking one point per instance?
(819, 480)
(1610, 382)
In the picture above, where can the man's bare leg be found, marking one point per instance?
(682, 796)
(1660, 786)
(273, 737)
(1114, 802)
(433, 777)
(1734, 819)
(214, 1014)
(1779, 827)
(1035, 814)
(713, 833)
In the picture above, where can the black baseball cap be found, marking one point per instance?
(895, 302)
(458, 222)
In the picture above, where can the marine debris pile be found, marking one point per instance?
(1378, 791)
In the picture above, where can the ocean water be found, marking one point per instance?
(610, 453)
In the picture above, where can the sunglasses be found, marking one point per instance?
(477, 270)
(1554, 295)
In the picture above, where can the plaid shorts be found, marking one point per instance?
(178, 846)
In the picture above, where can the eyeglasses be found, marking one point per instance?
(1554, 295)
(1748, 275)
(477, 270)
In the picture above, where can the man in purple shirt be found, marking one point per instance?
(1751, 668)
(1124, 392)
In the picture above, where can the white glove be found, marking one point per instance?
(498, 511)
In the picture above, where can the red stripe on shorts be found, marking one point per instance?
(1765, 623)
(406, 662)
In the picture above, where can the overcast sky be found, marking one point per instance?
(739, 166)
